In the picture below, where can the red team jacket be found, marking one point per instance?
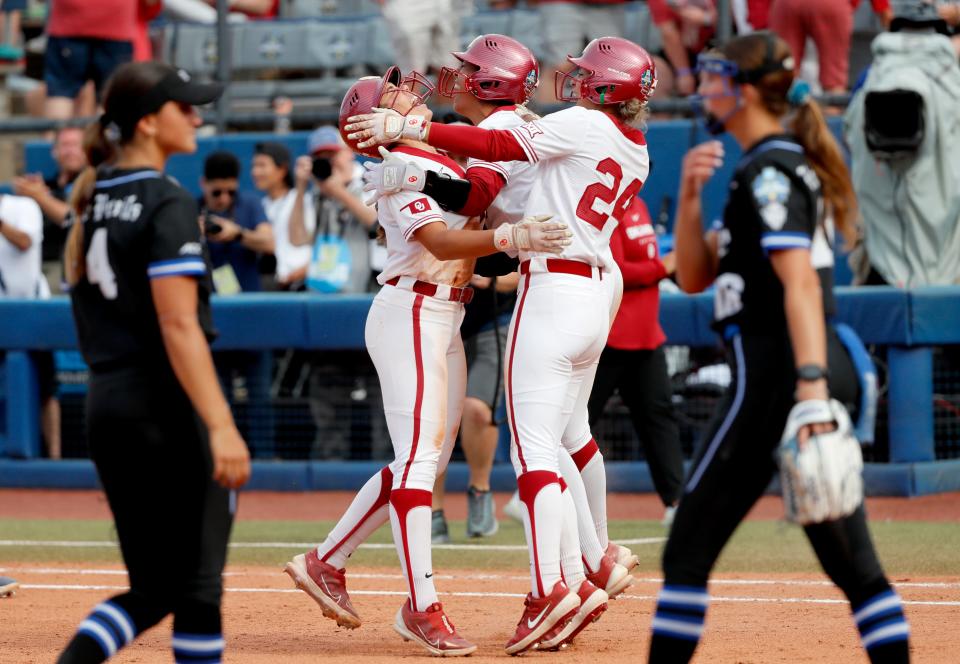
(634, 246)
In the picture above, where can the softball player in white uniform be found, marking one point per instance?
(412, 335)
(590, 165)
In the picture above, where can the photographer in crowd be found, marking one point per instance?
(237, 233)
(340, 238)
(340, 242)
(235, 225)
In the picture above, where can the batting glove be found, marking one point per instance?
(391, 175)
(533, 234)
(384, 125)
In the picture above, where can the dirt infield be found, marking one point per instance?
(269, 505)
(752, 618)
(769, 619)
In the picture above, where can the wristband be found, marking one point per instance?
(810, 373)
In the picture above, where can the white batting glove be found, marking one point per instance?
(391, 175)
(533, 234)
(384, 125)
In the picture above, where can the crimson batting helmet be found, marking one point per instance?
(506, 70)
(614, 70)
(368, 93)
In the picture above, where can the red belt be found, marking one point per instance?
(464, 295)
(564, 266)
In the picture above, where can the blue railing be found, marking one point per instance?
(908, 323)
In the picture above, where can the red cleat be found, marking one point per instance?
(432, 630)
(593, 602)
(611, 577)
(540, 615)
(326, 585)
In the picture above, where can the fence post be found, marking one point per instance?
(910, 404)
(23, 407)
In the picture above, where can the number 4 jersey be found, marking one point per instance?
(589, 169)
(139, 225)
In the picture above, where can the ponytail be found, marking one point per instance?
(99, 150)
(765, 57)
(823, 153)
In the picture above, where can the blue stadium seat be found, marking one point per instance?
(193, 47)
(378, 53)
(314, 8)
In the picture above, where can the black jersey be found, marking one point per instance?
(774, 203)
(139, 226)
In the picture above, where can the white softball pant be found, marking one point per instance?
(414, 342)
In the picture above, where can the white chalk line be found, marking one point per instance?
(87, 544)
(492, 595)
(480, 577)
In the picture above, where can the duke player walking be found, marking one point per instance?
(590, 165)
(161, 434)
(496, 76)
(412, 335)
(772, 264)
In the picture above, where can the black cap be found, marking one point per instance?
(176, 86)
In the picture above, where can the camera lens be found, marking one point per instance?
(322, 168)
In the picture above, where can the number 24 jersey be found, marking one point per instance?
(589, 168)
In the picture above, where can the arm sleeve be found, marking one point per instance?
(784, 206)
(175, 247)
(488, 144)
(469, 197)
(496, 265)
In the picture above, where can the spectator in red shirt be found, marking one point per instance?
(829, 23)
(86, 41)
(633, 362)
(147, 10)
(685, 28)
(256, 9)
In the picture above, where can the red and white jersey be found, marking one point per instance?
(518, 176)
(401, 214)
(589, 167)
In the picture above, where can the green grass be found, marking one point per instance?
(906, 548)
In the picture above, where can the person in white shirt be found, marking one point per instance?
(21, 235)
(285, 200)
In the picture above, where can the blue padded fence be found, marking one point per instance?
(909, 323)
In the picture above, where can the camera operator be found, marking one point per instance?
(339, 205)
(340, 263)
(235, 225)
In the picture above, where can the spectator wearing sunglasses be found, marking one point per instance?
(235, 224)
